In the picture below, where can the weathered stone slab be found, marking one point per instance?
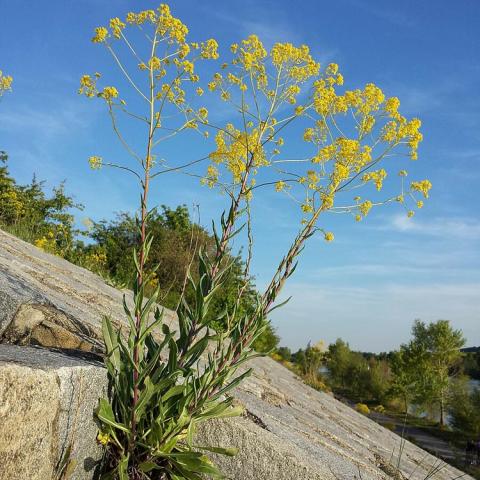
(45, 300)
(290, 431)
(46, 407)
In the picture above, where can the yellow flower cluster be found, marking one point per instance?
(209, 49)
(235, 149)
(95, 259)
(212, 176)
(423, 187)
(251, 55)
(10, 203)
(376, 176)
(109, 93)
(116, 25)
(88, 85)
(297, 61)
(101, 34)
(95, 162)
(47, 243)
(5, 83)
(365, 207)
(103, 438)
(329, 237)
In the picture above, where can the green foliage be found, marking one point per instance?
(471, 364)
(404, 375)
(464, 408)
(425, 366)
(160, 389)
(338, 361)
(284, 353)
(27, 212)
(175, 248)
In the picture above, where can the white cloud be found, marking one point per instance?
(48, 121)
(461, 228)
(397, 18)
(377, 318)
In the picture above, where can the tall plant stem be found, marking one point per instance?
(141, 254)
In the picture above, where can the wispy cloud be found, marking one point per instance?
(377, 318)
(461, 228)
(46, 120)
(382, 12)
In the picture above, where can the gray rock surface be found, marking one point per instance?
(289, 431)
(46, 410)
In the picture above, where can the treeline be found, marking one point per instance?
(105, 247)
(426, 375)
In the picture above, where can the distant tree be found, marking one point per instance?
(176, 243)
(404, 367)
(379, 379)
(464, 408)
(429, 362)
(471, 364)
(338, 361)
(30, 213)
(284, 353)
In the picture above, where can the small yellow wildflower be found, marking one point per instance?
(103, 438)
(117, 26)
(88, 85)
(280, 185)
(5, 83)
(423, 187)
(307, 208)
(95, 162)
(154, 63)
(109, 93)
(101, 34)
(365, 207)
(203, 113)
(329, 236)
(209, 49)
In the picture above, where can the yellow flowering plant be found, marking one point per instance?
(5, 83)
(349, 137)
(158, 398)
(148, 424)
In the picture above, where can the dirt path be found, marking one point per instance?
(439, 447)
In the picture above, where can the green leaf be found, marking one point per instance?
(105, 414)
(122, 468)
(111, 344)
(229, 452)
(148, 466)
(173, 392)
(145, 395)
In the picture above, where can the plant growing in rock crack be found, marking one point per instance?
(163, 386)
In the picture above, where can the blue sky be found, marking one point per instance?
(370, 284)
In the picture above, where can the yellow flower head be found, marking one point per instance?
(117, 26)
(209, 49)
(95, 162)
(109, 93)
(5, 83)
(423, 187)
(103, 438)
(329, 236)
(101, 34)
